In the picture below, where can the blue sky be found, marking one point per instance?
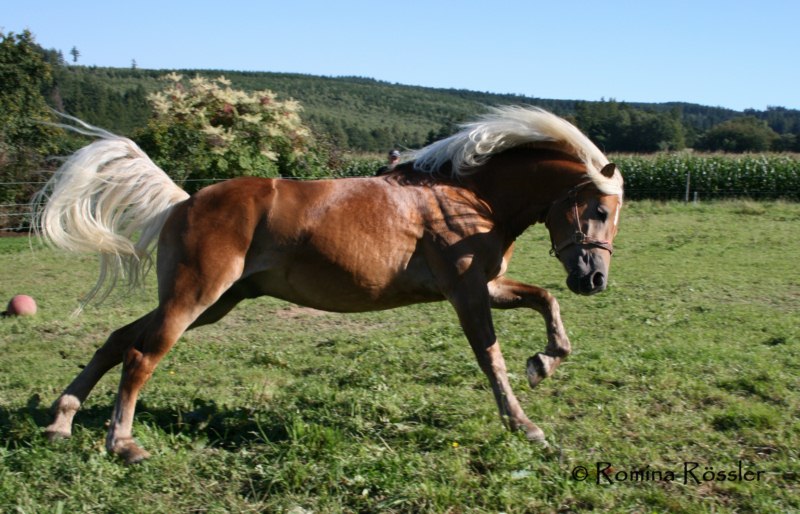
(735, 54)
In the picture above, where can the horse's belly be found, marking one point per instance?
(322, 285)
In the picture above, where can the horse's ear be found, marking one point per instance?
(608, 170)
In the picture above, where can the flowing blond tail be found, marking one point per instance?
(107, 198)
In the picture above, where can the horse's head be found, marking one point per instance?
(582, 225)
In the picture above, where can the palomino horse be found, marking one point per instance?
(440, 226)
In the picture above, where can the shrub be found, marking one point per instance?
(204, 130)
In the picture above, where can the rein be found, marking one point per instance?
(578, 237)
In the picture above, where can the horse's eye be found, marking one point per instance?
(602, 213)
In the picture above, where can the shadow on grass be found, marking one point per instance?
(223, 427)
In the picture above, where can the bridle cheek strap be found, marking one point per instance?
(578, 237)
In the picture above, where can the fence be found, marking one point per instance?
(16, 218)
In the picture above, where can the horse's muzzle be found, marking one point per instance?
(587, 284)
(588, 273)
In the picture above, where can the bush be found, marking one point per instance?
(356, 166)
(204, 130)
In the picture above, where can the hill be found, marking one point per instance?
(353, 112)
(364, 114)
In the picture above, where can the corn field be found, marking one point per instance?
(667, 176)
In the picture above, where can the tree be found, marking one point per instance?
(23, 142)
(648, 131)
(619, 127)
(75, 53)
(743, 134)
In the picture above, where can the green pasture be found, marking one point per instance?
(685, 371)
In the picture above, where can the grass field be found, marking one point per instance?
(687, 368)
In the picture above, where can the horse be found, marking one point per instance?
(440, 226)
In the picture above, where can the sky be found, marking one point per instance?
(734, 53)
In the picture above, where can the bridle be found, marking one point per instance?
(578, 237)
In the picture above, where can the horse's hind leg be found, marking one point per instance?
(509, 294)
(187, 291)
(230, 299)
(105, 358)
(163, 329)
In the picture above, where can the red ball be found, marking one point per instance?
(21, 305)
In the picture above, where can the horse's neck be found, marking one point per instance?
(520, 191)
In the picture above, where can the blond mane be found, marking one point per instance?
(508, 127)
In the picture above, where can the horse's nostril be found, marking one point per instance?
(598, 280)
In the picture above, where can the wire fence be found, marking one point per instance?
(17, 218)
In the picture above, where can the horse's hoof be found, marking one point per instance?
(130, 453)
(56, 435)
(137, 457)
(536, 435)
(537, 369)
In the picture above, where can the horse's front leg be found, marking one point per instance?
(472, 304)
(509, 294)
